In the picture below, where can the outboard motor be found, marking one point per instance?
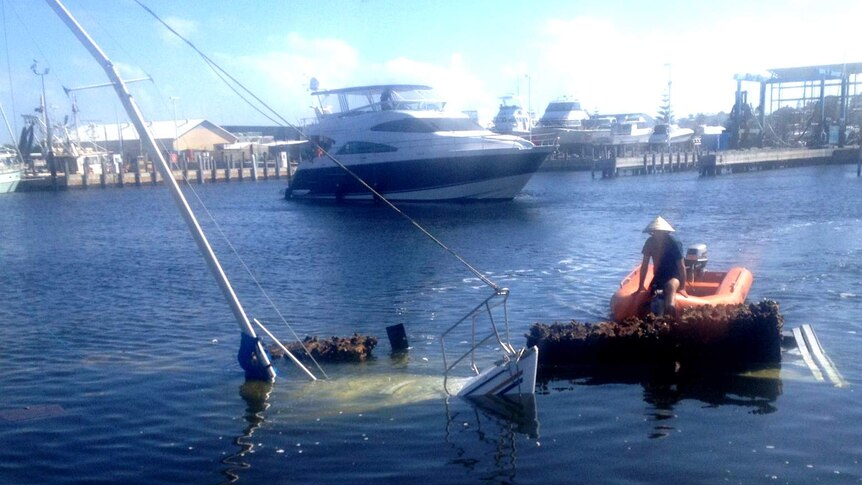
(695, 261)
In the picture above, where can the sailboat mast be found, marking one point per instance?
(258, 366)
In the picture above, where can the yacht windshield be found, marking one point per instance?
(378, 98)
(567, 106)
(420, 125)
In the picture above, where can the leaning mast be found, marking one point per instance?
(252, 355)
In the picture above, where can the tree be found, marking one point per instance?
(665, 113)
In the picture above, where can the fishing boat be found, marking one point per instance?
(515, 373)
(702, 287)
(400, 140)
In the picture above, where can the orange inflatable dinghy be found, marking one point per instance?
(702, 288)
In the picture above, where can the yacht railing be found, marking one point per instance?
(544, 139)
(496, 300)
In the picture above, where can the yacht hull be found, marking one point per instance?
(482, 176)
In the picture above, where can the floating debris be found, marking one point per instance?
(335, 349)
(725, 336)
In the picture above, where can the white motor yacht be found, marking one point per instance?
(401, 142)
(512, 118)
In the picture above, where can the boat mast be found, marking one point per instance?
(256, 362)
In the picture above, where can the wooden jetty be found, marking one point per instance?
(709, 164)
(143, 174)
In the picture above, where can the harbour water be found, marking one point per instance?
(118, 361)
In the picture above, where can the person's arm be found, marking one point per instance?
(644, 266)
(680, 267)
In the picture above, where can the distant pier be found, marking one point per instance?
(144, 174)
(708, 164)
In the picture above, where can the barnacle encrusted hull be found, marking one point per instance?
(728, 336)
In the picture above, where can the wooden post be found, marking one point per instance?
(265, 166)
(281, 156)
(103, 176)
(646, 171)
(121, 172)
(200, 172)
(213, 173)
(85, 177)
(253, 167)
(228, 166)
(241, 165)
(185, 163)
(137, 168)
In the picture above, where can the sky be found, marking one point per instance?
(613, 56)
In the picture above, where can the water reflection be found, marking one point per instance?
(256, 396)
(485, 430)
(664, 388)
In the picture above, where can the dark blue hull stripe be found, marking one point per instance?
(517, 378)
(415, 175)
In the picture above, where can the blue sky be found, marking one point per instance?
(614, 56)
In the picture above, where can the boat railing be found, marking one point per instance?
(484, 309)
(545, 139)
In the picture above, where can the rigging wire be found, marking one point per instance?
(242, 262)
(9, 70)
(224, 74)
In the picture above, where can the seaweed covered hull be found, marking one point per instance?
(335, 349)
(724, 336)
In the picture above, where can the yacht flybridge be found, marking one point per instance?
(400, 140)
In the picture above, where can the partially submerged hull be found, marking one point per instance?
(509, 377)
(483, 176)
(708, 288)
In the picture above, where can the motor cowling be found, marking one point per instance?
(695, 260)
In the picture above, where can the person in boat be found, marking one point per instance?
(668, 265)
(386, 102)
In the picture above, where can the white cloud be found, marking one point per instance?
(286, 73)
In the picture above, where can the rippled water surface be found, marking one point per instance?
(118, 351)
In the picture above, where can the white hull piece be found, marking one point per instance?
(507, 377)
(9, 178)
(670, 135)
(482, 176)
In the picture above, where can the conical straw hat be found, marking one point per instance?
(659, 224)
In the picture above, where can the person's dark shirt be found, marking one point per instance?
(664, 259)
